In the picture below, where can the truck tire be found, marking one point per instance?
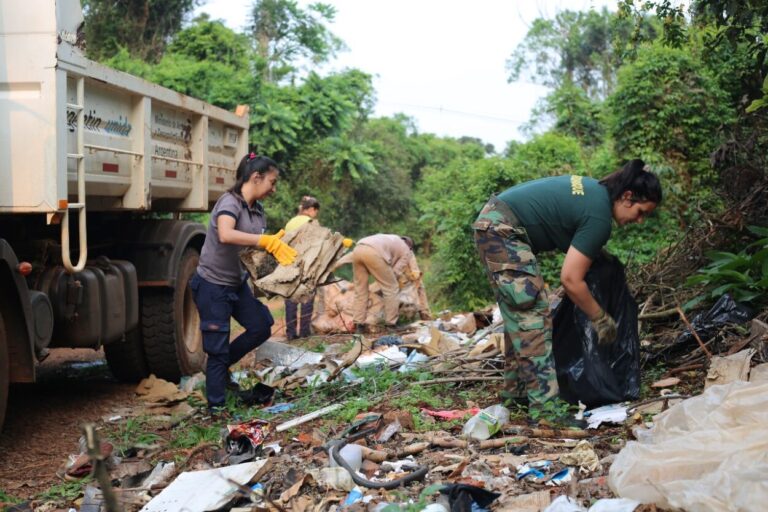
(4, 371)
(126, 357)
(170, 325)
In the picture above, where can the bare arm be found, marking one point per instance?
(229, 235)
(572, 274)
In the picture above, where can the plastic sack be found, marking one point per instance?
(598, 375)
(707, 453)
(725, 311)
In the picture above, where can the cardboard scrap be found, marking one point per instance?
(723, 370)
(153, 389)
(318, 249)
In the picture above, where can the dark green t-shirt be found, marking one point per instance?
(562, 211)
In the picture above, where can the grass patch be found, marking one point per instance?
(65, 491)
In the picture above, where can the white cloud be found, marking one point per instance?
(441, 62)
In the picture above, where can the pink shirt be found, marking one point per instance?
(394, 251)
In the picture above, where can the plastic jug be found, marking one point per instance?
(487, 422)
(352, 454)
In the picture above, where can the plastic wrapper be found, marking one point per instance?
(598, 375)
(707, 453)
(725, 311)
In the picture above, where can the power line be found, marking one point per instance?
(457, 112)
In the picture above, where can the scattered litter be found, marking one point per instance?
(278, 408)
(192, 382)
(724, 311)
(259, 394)
(525, 472)
(468, 497)
(245, 439)
(282, 354)
(562, 477)
(383, 356)
(568, 504)
(153, 389)
(615, 413)
(412, 362)
(307, 417)
(385, 341)
(723, 370)
(665, 383)
(204, 490)
(532, 502)
(584, 457)
(486, 423)
(455, 414)
(355, 495)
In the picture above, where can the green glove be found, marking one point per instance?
(605, 327)
(283, 253)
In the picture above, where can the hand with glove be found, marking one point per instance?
(605, 327)
(283, 253)
(347, 243)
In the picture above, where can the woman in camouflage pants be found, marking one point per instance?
(573, 214)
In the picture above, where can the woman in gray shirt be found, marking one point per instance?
(220, 285)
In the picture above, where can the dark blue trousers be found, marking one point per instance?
(291, 314)
(217, 304)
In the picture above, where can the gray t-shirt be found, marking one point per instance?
(219, 262)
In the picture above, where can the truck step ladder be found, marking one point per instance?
(80, 204)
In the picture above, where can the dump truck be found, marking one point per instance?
(96, 169)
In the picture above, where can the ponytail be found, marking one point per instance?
(633, 177)
(250, 164)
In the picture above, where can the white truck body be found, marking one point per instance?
(77, 136)
(144, 146)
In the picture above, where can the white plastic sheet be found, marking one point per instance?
(708, 453)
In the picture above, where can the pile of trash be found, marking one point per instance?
(702, 452)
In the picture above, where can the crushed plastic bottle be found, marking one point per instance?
(486, 423)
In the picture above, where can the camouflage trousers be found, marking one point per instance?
(513, 271)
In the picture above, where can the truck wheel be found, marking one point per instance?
(126, 358)
(170, 325)
(4, 371)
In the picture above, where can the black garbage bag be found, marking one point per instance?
(598, 375)
(707, 324)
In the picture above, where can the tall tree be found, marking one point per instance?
(584, 48)
(143, 27)
(284, 33)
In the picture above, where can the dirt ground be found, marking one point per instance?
(44, 420)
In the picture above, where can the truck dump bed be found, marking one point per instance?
(143, 147)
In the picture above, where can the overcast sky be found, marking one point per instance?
(441, 62)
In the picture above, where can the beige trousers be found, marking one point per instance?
(367, 262)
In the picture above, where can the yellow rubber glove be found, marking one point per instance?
(347, 243)
(283, 253)
(605, 326)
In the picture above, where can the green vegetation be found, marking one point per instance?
(684, 91)
(65, 491)
(744, 274)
